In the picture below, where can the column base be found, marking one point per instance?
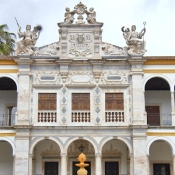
(173, 118)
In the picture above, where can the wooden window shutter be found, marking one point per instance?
(114, 101)
(47, 101)
(81, 101)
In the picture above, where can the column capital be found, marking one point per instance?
(131, 155)
(63, 154)
(30, 155)
(98, 154)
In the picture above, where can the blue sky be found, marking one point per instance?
(158, 14)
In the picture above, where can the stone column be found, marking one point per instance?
(131, 164)
(138, 101)
(22, 155)
(173, 164)
(14, 164)
(98, 164)
(148, 165)
(139, 155)
(63, 163)
(172, 109)
(30, 164)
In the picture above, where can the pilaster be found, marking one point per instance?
(23, 102)
(22, 152)
(138, 101)
(140, 159)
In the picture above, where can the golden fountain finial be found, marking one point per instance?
(82, 159)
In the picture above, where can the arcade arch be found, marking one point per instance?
(116, 157)
(8, 101)
(74, 149)
(45, 157)
(158, 101)
(160, 157)
(6, 157)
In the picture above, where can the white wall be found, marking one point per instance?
(7, 98)
(159, 98)
(6, 158)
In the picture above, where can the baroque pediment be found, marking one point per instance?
(80, 37)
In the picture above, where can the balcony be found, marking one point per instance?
(47, 116)
(7, 120)
(81, 116)
(114, 116)
(159, 119)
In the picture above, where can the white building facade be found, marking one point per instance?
(114, 101)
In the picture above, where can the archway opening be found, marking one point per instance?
(6, 158)
(115, 157)
(74, 149)
(161, 160)
(46, 158)
(8, 102)
(158, 102)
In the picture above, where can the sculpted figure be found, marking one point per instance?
(91, 16)
(135, 46)
(69, 16)
(25, 46)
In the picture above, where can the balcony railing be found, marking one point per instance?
(7, 120)
(159, 119)
(114, 116)
(81, 116)
(47, 116)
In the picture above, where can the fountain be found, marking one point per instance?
(82, 170)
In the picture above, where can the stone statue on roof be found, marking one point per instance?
(91, 18)
(69, 16)
(80, 10)
(135, 45)
(26, 45)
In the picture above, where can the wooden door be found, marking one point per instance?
(75, 168)
(153, 115)
(81, 101)
(47, 101)
(111, 168)
(114, 101)
(51, 168)
(161, 169)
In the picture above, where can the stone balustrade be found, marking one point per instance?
(114, 116)
(47, 116)
(81, 116)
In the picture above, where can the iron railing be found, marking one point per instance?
(7, 120)
(159, 119)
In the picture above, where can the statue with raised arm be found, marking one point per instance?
(135, 45)
(26, 45)
(91, 16)
(69, 16)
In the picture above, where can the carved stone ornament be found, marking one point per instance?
(26, 45)
(80, 77)
(50, 152)
(80, 9)
(111, 152)
(136, 46)
(80, 45)
(74, 148)
(51, 49)
(47, 77)
(110, 49)
(114, 77)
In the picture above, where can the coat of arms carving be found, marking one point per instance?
(80, 44)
